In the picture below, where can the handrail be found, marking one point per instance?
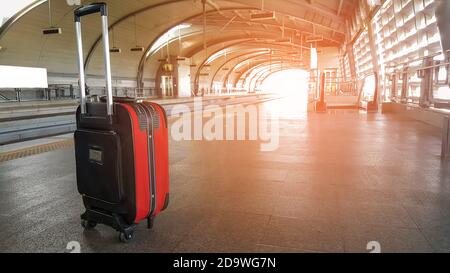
(419, 68)
(417, 82)
(68, 92)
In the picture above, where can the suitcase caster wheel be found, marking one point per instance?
(88, 224)
(125, 237)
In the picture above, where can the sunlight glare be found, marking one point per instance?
(293, 85)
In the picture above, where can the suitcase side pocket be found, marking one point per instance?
(98, 160)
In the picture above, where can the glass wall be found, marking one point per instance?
(405, 33)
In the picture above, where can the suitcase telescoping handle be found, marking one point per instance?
(80, 12)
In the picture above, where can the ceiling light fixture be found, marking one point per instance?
(114, 49)
(260, 16)
(51, 29)
(313, 38)
(136, 48)
(283, 40)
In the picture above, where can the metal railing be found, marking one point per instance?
(68, 92)
(365, 87)
(333, 86)
(423, 81)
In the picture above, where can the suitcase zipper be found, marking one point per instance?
(151, 152)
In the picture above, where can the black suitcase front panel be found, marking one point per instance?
(124, 169)
(98, 165)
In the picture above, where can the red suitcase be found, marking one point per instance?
(121, 151)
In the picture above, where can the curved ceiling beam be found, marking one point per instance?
(300, 30)
(227, 75)
(147, 50)
(261, 74)
(253, 81)
(250, 78)
(268, 45)
(263, 52)
(145, 55)
(270, 70)
(197, 75)
(16, 17)
(309, 5)
(142, 64)
(256, 65)
(225, 79)
(231, 71)
(222, 40)
(255, 78)
(269, 73)
(263, 77)
(120, 20)
(241, 37)
(249, 70)
(253, 43)
(199, 48)
(265, 71)
(291, 28)
(215, 42)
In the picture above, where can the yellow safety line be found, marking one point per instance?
(38, 149)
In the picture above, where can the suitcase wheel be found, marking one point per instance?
(88, 224)
(125, 237)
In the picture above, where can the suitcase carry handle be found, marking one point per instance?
(80, 12)
(89, 9)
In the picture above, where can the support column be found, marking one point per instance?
(351, 56)
(394, 83)
(403, 97)
(446, 139)
(321, 105)
(426, 85)
(374, 55)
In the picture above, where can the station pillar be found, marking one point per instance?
(446, 139)
(426, 85)
(321, 105)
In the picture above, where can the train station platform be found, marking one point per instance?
(336, 182)
(22, 121)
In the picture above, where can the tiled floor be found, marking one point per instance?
(336, 182)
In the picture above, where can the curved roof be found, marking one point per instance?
(230, 34)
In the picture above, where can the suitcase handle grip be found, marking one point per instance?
(90, 9)
(78, 13)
